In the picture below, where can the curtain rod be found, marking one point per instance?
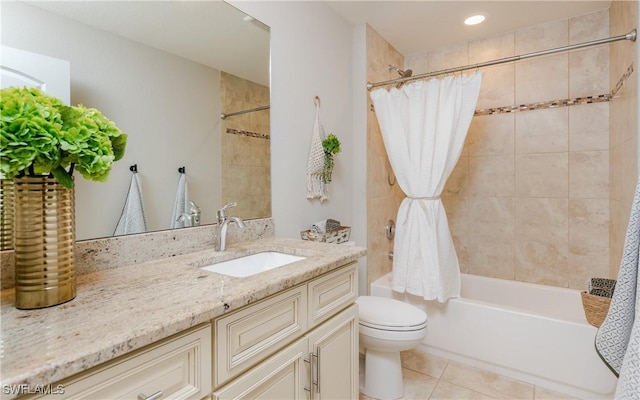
(223, 116)
(629, 36)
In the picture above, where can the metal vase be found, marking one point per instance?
(6, 214)
(44, 242)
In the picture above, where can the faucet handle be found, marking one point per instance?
(221, 215)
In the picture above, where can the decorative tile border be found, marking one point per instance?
(559, 103)
(624, 77)
(543, 105)
(249, 134)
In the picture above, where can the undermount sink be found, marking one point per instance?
(253, 264)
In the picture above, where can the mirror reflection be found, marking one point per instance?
(164, 72)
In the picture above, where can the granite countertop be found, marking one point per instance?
(123, 309)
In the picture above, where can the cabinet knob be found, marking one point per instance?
(154, 396)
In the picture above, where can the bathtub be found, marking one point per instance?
(534, 333)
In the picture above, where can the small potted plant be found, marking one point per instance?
(331, 146)
(42, 141)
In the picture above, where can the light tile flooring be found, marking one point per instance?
(427, 377)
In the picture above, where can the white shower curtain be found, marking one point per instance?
(424, 126)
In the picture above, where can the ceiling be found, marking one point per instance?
(417, 26)
(216, 34)
(212, 33)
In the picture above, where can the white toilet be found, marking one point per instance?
(387, 327)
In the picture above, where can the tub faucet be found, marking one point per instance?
(223, 221)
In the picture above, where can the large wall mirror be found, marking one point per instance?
(164, 72)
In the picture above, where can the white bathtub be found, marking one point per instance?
(537, 334)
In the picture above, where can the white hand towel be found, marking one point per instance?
(133, 218)
(181, 204)
(316, 188)
(618, 338)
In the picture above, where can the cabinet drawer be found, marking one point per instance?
(332, 292)
(247, 336)
(179, 367)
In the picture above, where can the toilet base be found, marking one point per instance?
(383, 375)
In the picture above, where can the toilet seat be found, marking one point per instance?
(390, 315)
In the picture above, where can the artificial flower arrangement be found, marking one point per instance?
(40, 135)
(331, 146)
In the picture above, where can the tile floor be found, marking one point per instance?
(427, 377)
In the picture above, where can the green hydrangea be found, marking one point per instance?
(41, 135)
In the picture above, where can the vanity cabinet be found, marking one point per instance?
(178, 368)
(308, 335)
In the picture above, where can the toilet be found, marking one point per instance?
(387, 327)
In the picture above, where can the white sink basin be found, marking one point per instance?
(253, 264)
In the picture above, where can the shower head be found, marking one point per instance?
(403, 74)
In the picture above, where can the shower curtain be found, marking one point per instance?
(424, 126)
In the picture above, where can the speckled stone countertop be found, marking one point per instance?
(122, 309)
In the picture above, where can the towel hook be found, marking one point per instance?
(316, 101)
(181, 170)
(134, 168)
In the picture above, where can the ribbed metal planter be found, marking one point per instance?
(6, 214)
(44, 242)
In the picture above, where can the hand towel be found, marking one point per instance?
(316, 188)
(181, 205)
(618, 338)
(133, 218)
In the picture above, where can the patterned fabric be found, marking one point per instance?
(618, 339)
(316, 188)
(133, 218)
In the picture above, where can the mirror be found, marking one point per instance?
(164, 72)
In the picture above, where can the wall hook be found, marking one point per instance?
(316, 101)
(181, 170)
(134, 168)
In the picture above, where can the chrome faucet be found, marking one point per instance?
(223, 221)
(193, 217)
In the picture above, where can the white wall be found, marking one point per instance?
(167, 105)
(311, 55)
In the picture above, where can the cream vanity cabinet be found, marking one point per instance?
(299, 344)
(178, 367)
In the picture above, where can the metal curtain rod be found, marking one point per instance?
(223, 116)
(629, 36)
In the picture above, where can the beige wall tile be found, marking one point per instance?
(448, 57)
(589, 27)
(589, 174)
(542, 263)
(492, 257)
(587, 262)
(542, 131)
(418, 63)
(589, 72)
(498, 87)
(492, 48)
(542, 79)
(458, 181)
(491, 176)
(542, 37)
(491, 135)
(492, 217)
(542, 219)
(589, 127)
(542, 175)
(589, 222)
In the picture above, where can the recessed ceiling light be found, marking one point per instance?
(474, 19)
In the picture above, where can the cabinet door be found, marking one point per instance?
(283, 376)
(334, 348)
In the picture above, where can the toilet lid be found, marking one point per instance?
(387, 313)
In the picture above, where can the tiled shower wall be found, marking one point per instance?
(383, 199)
(529, 198)
(245, 147)
(623, 127)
